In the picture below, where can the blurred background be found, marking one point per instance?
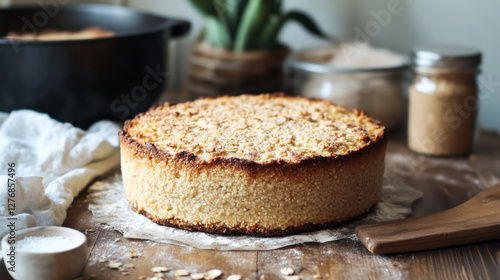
(458, 22)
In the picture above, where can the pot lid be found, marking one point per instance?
(446, 56)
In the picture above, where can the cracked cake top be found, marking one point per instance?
(262, 128)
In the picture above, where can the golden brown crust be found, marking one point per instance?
(238, 195)
(249, 166)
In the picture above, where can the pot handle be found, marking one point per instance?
(179, 27)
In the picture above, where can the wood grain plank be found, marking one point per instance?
(113, 247)
(486, 158)
(349, 260)
(344, 259)
(464, 262)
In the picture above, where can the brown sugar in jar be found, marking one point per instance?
(443, 100)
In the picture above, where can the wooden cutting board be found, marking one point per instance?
(476, 220)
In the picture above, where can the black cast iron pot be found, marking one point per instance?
(83, 81)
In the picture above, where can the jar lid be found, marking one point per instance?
(446, 56)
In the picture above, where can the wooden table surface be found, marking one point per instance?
(445, 182)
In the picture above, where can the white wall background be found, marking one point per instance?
(463, 22)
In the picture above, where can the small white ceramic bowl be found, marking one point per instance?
(59, 263)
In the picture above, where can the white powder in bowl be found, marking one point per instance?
(45, 244)
(355, 55)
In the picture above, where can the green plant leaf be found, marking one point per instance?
(306, 22)
(230, 10)
(268, 39)
(276, 6)
(216, 33)
(230, 13)
(269, 36)
(248, 24)
(254, 19)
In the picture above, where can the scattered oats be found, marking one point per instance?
(182, 272)
(213, 274)
(142, 277)
(159, 269)
(132, 255)
(114, 265)
(234, 277)
(118, 239)
(89, 230)
(197, 276)
(154, 278)
(317, 276)
(293, 277)
(286, 271)
(122, 268)
(182, 278)
(159, 274)
(125, 273)
(130, 265)
(101, 260)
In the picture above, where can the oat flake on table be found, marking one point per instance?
(110, 208)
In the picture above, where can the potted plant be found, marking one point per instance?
(238, 50)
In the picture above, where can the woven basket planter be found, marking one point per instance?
(215, 71)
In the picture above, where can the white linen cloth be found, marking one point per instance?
(53, 162)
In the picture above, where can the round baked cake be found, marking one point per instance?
(262, 165)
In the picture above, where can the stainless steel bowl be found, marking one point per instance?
(377, 91)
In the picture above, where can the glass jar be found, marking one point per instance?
(443, 100)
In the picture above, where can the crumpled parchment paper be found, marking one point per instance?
(110, 208)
